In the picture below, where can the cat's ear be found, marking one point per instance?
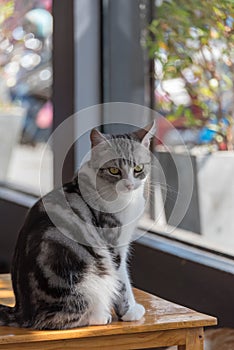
(96, 137)
(145, 134)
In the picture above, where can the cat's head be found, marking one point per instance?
(122, 161)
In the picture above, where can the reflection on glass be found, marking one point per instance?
(193, 55)
(26, 111)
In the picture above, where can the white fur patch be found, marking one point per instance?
(100, 291)
(135, 313)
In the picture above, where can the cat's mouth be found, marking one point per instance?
(124, 186)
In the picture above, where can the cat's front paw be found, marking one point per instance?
(135, 313)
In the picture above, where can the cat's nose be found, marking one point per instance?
(130, 187)
(125, 185)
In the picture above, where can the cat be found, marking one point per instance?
(70, 262)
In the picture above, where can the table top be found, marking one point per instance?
(160, 315)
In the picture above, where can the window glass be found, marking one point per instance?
(193, 54)
(26, 111)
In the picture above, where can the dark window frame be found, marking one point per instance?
(64, 70)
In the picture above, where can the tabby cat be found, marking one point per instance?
(70, 262)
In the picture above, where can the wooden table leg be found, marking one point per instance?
(194, 340)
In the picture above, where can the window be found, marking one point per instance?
(26, 110)
(193, 59)
(20, 192)
(181, 66)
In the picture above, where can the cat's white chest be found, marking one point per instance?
(134, 208)
(130, 215)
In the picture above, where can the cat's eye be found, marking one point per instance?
(138, 168)
(114, 171)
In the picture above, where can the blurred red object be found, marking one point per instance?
(44, 117)
(47, 4)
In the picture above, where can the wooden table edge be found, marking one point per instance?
(41, 336)
(11, 336)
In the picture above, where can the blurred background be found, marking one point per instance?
(174, 57)
(26, 110)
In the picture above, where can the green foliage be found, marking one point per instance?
(6, 9)
(195, 37)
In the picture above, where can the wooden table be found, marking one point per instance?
(164, 324)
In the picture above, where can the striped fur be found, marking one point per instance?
(70, 262)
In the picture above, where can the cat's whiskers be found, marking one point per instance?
(167, 191)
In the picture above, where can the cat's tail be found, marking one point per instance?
(8, 316)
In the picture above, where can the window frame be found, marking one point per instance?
(110, 96)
